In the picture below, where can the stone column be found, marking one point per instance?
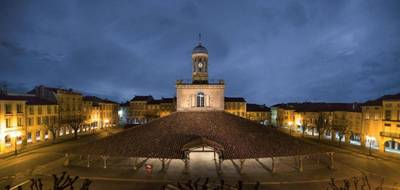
(331, 160)
(220, 165)
(241, 161)
(134, 161)
(273, 168)
(162, 165)
(300, 163)
(186, 169)
(88, 160)
(104, 161)
(66, 161)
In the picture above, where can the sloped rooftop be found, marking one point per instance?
(169, 136)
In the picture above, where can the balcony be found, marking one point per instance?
(391, 135)
(208, 82)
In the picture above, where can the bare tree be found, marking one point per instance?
(304, 127)
(53, 125)
(322, 124)
(75, 123)
(341, 129)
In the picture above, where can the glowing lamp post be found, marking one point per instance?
(15, 134)
(106, 121)
(290, 127)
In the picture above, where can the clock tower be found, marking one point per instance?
(200, 94)
(200, 64)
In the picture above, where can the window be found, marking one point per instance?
(398, 115)
(30, 121)
(387, 124)
(200, 99)
(8, 123)
(8, 108)
(19, 122)
(48, 109)
(39, 120)
(38, 135)
(19, 108)
(7, 140)
(29, 137)
(388, 115)
(367, 116)
(39, 110)
(46, 134)
(376, 116)
(389, 105)
(31, 110)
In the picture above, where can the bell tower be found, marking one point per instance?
(200, 64)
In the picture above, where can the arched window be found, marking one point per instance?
(7, 139)
(200, 99)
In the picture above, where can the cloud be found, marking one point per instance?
(267, 51)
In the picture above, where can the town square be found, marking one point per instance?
(199, 95)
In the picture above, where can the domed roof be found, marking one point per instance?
(200, 49)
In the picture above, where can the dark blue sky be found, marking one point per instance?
(267, 51)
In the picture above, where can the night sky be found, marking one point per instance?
(266, 51)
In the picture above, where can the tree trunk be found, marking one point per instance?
(54, 135)
(76, 134)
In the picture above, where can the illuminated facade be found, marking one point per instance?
(27, 119)
(100, 113)
(258, 113)
(381, 123)
(236, 106)
(199, 94)
(374, 124)
(24, 120)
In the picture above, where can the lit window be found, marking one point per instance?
(19, 108)
(29, 137)
(7, 140)
(38, 135)
(19, 122)
(8, 108)
(200, 99)
(8, 123)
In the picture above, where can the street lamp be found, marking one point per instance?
(15, 134)
(290, 127)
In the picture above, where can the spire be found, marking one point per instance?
(199, 38)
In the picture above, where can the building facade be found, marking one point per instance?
(374, 124)
(25, 119)
(199, 94)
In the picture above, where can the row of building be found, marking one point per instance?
(142, 109)
(374, 124)
(28, 118)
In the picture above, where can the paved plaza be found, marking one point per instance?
(119, 173)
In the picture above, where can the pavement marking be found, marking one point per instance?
(20, 184)
(169, 181)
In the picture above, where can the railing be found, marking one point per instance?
(210, 81)
(392, 135)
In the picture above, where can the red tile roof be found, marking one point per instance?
(257, 108)
(167, 137)
(30, 99)
(234, 99)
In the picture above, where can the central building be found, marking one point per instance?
(200, 94)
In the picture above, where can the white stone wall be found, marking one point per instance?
(186, 97)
